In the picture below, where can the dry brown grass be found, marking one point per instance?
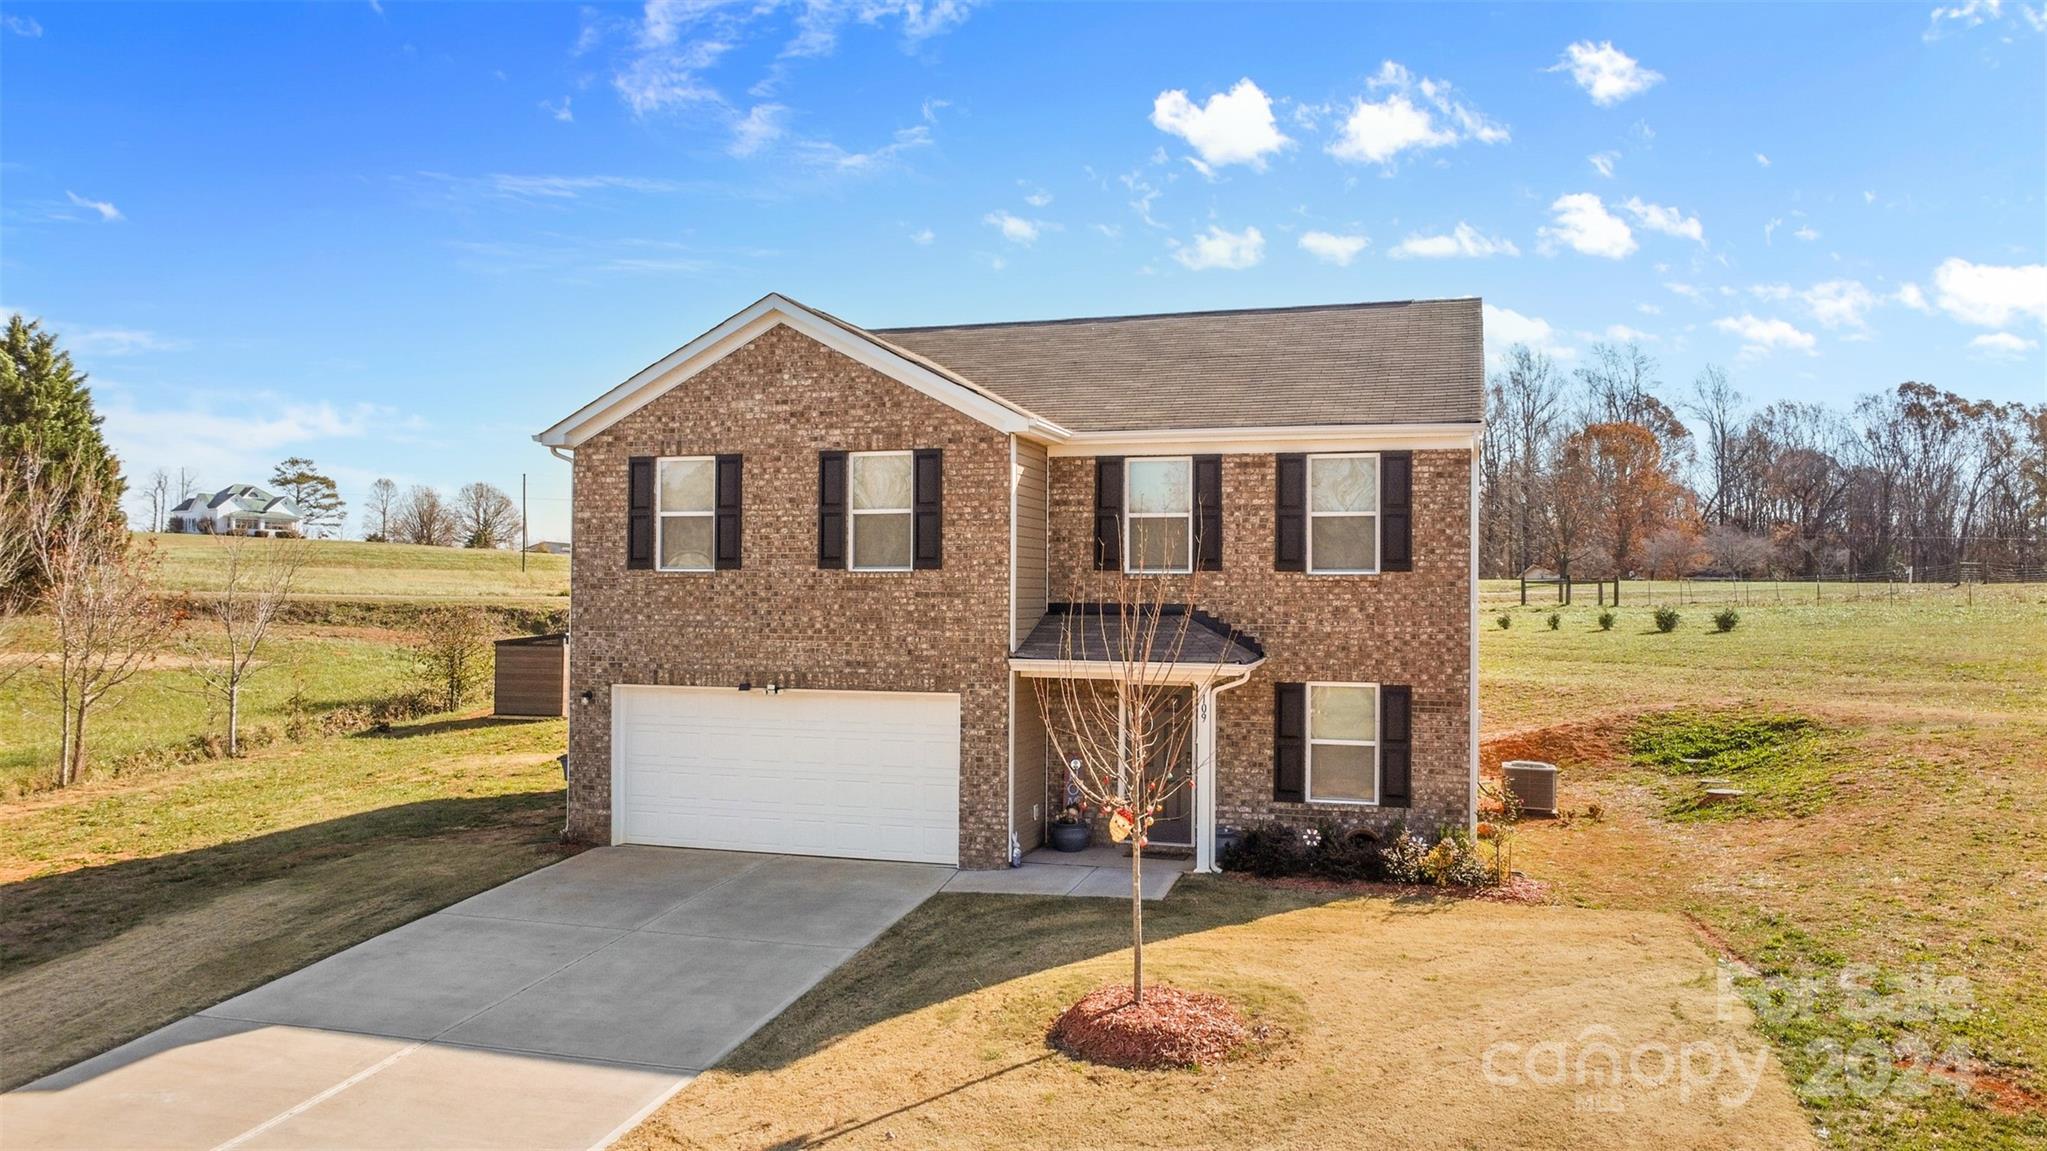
(1386, 1008)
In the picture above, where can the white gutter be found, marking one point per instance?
(1204, 797)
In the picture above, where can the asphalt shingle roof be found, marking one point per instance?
(1094, 633)
(1410, 362)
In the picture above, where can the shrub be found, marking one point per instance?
(1342, 854)
(1606, 619)
(1403, 860)
(1505, 621)
(1268, 851)
(1725, 619)
(1556, 620)
(1330, 851)
(1455, 861)
(1666, 619)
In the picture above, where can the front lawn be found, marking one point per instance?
(1381, 1014)
(131, 903)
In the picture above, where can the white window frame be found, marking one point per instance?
(1308, 724)
(853, 514)
(661, 514)
(1128, 515)
(1378, 513)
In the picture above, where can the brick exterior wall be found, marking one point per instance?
(1398, 627)
(779, 401)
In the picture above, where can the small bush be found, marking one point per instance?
(1606, 619)
(1268, 852)
(1342, 854)
(1666, 619)
(1404, 859)
(1556, 620)
(1725, 619)
(1329, 852)
(1505, 621)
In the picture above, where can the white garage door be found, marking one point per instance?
(861, 774)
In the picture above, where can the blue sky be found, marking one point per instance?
(402, 238)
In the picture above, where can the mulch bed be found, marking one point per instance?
(1171, 1028)
(1519, 889)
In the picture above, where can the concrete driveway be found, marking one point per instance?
(552, 1012)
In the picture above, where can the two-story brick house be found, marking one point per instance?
(821, 572)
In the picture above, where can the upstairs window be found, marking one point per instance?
(686, 505)
(1158, 501)
(1343, 514)
(882, 490)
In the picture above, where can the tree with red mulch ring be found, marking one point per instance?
(1169, 1028)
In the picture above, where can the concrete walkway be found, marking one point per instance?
(553, 1012)
(1099, 871)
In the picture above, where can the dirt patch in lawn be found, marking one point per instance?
(934, 1036)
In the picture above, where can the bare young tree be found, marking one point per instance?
(100, 595)
(451, 651)
(158, 491)
(256, 579)
(380, 509)
(485, 516)
(424, 518)
(1124, 733)
(188, 484)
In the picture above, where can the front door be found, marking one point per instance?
(1175, 825)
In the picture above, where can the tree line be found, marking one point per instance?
(480, 516)
(1594, 473)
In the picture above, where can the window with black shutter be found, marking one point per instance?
(1208, 513)
(728, 504)
(831, 509)
(1396, 746)
(1396, 506)
(928, 507)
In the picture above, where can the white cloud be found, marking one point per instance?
(1623, 334)
(1669, 221)
(1584, 225)
(106, 211)
(1910, 296)
(1505, 327)
(825, 154)
(1840, 303)
(1039, 198)
(1807, 233)
(1762, 159)
(225, 446)
(23, 26)
(2002, 346)
(1603, 162)
(1218, 248)
(922, 237)
(87, 340)
(1967, 14)
(1234, 127)
(1681, 288)
(560, 112)
(760, 127)
(1778, 292)
(1416, 115)
(1770, 229)
(1464, 240)
(1331, 248)
(1649, 309)
(1760, 337)
(1015, 229)
(1607, 74)
(1989, 295)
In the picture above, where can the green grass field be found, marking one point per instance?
(351, 569)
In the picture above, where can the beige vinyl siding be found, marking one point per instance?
(1029, 750)
(1030, 477)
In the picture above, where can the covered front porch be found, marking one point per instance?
(1182, 660)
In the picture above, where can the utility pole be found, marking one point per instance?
(522, 521)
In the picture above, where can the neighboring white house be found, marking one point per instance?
(235, 508)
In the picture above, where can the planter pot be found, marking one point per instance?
(1071, 836)
(1226, 838)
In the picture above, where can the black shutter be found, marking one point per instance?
(1396, 754)
(1396, 511)
(1290, 742)
(727, 519)
(1208, 513)
(831, 509)
(639, 512)
(928, 518)
(1108, 513)
(1290, 513)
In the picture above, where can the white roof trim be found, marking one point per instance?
(761, 316)
(1177, 674)
(1303, 438)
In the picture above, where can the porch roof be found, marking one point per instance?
(1093, 633)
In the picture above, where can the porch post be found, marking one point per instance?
(1204, 778)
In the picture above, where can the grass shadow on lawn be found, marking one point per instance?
(962, 943)
(50, 916)
(444, 726)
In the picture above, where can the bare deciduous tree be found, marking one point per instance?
(451, 651)
(256, 579)
(158, 493)
(99, 594)
(380, 509)
(485, 516)
(1123, 727)
(424, 518)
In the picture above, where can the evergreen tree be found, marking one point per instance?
(46, 416)
(315, 494)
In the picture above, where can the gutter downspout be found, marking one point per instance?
(1204, 844)
(570, 460)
